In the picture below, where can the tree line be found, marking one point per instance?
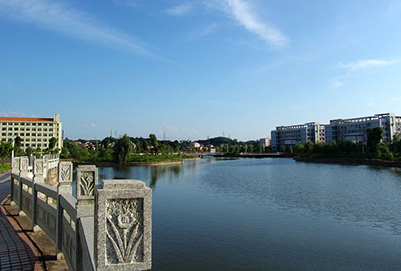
(122, 150)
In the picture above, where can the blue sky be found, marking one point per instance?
(192, 69)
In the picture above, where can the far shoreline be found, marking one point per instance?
(350, 161)
(134, 164)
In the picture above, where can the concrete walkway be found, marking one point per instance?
(15, 252)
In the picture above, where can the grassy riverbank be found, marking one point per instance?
(350, 161)
(136, 159)
(4, 167)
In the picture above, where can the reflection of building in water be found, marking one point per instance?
(354, 130)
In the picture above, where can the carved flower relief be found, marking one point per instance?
(24, 163)
(66, 173)
(124, 231)
(125, 221)
(16, 162)
(38, 167)
(87, 183)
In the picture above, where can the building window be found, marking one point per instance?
(39, 134)
(39, 145)
(3, 134)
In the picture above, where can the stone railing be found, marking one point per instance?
(106, 227)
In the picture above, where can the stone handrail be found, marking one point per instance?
(106, 227)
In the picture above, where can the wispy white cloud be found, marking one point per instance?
(354, 69)
(126, 3)
(365, 64)
(180, 10)
(337, 84)
(245, 14)
(204, 31)
(69, 21)
(7, 113)
(371, 102)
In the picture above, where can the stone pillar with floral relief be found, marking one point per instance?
(123, 225)
(87, 178)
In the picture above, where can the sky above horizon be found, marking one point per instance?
(198, 69)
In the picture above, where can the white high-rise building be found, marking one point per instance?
(285, 136)
(355, 129)
(34, 132)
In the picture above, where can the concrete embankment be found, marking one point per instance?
(350, 161)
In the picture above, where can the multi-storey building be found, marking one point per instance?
(285, 136)
(355, 129)
(34, 132)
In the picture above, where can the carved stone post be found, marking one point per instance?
(14, 170)
(38, 170)
(123, 226)
(64, 178)
(64, 187)
(15, 165)
(23, 172)
(87, 178)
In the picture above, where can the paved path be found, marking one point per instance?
(15, 253)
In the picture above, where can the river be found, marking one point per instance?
(272, 214)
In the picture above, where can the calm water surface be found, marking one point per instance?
(272, 214)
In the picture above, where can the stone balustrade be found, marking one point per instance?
(106, 227)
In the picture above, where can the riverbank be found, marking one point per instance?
(350, 161)
(255, 155)
(133, 164)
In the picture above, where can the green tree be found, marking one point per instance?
(64, 153)
(145, 146)
(258, 148)
(29, 151)
(299, 148)
(5, 149)
(52, 143)
(375, 135)
(176, 146)
(17, 145)
(249, 148)
(383, 152)
(122, 149)
(155, 143)
(138, 144)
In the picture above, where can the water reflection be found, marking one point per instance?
(271, 214)
(168, 172)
